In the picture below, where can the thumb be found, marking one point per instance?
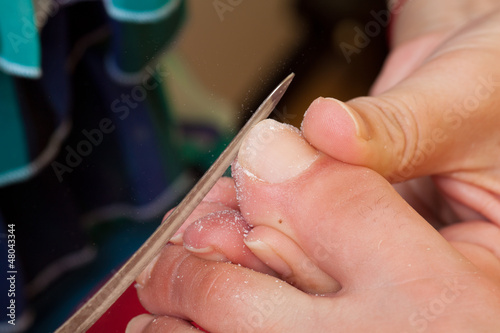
(424, 125)
(441, 118)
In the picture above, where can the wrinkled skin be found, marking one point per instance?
(350, 247)
(322, 239)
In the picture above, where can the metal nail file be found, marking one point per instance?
(98, 304)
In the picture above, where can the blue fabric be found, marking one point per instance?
(89, 163)
(90, 157)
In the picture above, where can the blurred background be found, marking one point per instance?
(240, 52)
(224, 58)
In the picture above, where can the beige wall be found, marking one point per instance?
(231, 52)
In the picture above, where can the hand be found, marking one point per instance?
(356, 256)
(434, 109)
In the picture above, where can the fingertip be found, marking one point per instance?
(224, 192)
(139, 323)
(177, 238)
(287, 258)
(216, 230)
(207, 253)
(203, 209)
(220, 237)
(167, 214)
(335, 129)
(145, 275)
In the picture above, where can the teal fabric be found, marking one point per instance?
(102, 159)
(141, 11)
(134, 43)
(140, 6)
(12, 151)
(19, 39)
(116, 146)
(20, 42)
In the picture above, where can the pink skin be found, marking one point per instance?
(368, 254)
(341, 231)
(214, 231)
(433, 111)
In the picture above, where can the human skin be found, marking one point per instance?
(433, 111)
(357, 257)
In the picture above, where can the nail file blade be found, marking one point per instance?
(100, 302)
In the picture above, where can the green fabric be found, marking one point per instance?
(19, 39)
(139, 43)
(14, 152)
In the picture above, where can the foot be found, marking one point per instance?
(338, 246)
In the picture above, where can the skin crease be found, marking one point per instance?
(436, 281)
(451, 139)
(375, 279)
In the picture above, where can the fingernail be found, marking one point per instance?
(268, 256)
(146, 273)
(275, 152)
(137, 324)
(354, 118)
(177, 239)
(208, 253)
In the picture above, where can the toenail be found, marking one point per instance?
(275, 152)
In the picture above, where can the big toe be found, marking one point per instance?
(346, 219)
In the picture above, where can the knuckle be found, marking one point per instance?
(398, 131)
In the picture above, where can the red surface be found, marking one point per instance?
(119, 314)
